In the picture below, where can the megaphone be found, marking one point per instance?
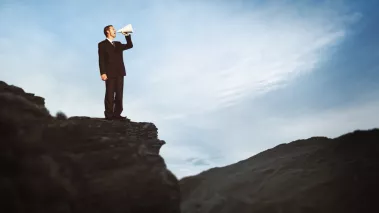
(127, 29)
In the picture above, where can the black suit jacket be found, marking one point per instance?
(111, 61)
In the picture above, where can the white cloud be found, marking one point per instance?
(223, 59)
(240, 139)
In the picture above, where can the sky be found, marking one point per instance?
(221, 80)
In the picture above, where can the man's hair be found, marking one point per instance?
(107, 28)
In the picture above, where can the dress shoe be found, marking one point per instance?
(119, 117)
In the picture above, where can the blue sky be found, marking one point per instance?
(222, 80)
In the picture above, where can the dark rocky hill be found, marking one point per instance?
(79, 164)
(320, 174)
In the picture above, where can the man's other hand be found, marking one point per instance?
(104, 77)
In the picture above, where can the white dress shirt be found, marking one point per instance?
(110, 41)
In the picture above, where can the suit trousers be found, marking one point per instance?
(113, 99)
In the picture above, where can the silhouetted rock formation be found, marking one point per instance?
(79, 164)
(319, 174)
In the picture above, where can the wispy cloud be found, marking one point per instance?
(239, 138)
(217, 60)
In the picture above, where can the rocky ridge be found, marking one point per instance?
(79, 164)
(315, 175)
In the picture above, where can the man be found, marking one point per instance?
(112, 71)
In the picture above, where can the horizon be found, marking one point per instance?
(221, 81)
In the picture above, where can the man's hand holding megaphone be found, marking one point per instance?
(125, 34)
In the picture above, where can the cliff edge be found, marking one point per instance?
(79, 164)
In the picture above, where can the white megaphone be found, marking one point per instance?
(127, 29)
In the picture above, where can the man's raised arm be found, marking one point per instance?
(129, 43)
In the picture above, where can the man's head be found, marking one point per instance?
(109, 31)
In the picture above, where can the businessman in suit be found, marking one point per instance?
(112, 71)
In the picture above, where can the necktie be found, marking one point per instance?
(112, 43)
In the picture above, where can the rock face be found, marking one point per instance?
(315, 175)
(79, 164)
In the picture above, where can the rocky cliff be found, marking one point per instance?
(320, 174)
(79, 164)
